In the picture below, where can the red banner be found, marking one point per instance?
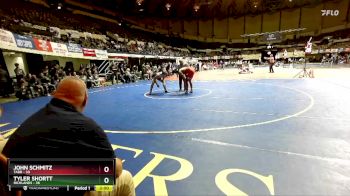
(42, 45)
(89, 52)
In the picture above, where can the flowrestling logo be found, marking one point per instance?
(330, 12)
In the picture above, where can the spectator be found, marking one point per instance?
(136, 72)
(96, 80)
(46, 83)
(65, 132)
(46, 70)
(75, 74)
(53, 70)
(18, 72)
(4, 83)
(68, 69)
(129, 77)
(62, 74)
(82, 75)
(23, 93)
(36, 88)
(115, 73)
(89, 79)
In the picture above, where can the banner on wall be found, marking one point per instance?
(59, 48)
(89, 52)
(42, 45)
(271, 37)
(101, 53)
(24, 41)
(76, 48)
(6, 38)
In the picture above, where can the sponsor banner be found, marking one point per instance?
(328, 50)
(6, 38)
(76, 48)
(60, 49)
(42, 45)
(24, 41)
(89, 52)
(101, 53)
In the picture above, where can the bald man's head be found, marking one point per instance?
(72, 90)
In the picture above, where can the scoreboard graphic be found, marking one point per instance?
(61, 174)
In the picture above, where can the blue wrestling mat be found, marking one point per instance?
(263, 137)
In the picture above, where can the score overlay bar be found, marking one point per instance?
(72, 174)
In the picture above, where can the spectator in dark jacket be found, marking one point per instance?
(60, 130)
(4, 83)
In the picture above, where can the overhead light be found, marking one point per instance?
(139, 2)
(141, 10)
(120, 24)
(59, 6)
(168, 6)
(196, 7)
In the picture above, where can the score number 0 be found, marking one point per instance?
(106, 170)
